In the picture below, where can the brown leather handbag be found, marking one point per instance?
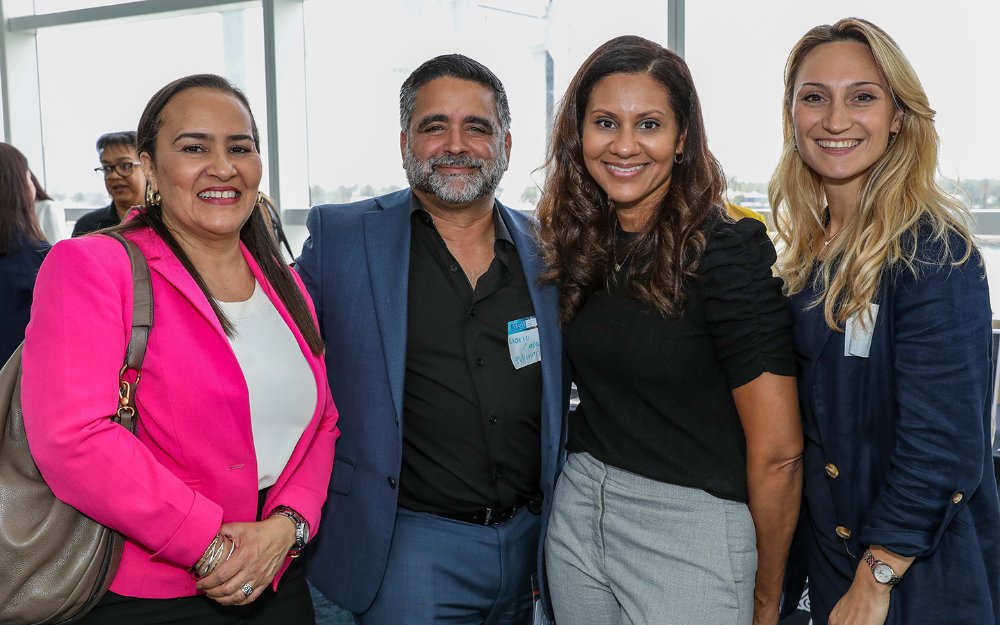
(56, 563)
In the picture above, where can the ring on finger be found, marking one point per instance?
(247, 589)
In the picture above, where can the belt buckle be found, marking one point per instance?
(489, 515)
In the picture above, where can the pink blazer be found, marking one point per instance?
(192, 465)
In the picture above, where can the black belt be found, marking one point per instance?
(493, 516)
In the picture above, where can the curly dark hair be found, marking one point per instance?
(577, 230)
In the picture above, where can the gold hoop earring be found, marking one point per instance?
(152, 198)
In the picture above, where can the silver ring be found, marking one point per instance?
(247, 589)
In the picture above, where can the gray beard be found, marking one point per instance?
(453, 188)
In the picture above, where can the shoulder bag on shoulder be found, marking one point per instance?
(56, 563)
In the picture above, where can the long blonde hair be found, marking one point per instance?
(900, 193)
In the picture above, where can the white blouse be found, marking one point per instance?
(281, 384)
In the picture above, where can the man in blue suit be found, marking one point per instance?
(444, 358)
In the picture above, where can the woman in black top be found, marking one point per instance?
(22, 247)
(678, 337)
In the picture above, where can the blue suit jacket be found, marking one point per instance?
(907, 429)
(355, 265)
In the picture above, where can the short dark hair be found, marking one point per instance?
(124, 137)
(451, 66)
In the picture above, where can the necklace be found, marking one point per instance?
(827, 239)
(619, 236)
(614, 256)
(618, 265)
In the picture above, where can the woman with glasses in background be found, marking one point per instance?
(123, 178)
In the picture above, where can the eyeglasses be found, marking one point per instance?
(123, 169)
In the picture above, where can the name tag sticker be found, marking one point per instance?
(858, 335)
(522, 341)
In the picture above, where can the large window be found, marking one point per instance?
(96, 78)
(325, 76)
(358, 54)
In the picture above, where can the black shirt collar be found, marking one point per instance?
(501, 233)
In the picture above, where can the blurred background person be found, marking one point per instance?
(123, 178)
(50, 214)
(229, 468)
(22, 247)
(892, 326)
(687, 436)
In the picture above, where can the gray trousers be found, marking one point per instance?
(622, 548)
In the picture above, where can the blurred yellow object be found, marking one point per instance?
(739, 212)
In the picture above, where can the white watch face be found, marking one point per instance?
(882, 573)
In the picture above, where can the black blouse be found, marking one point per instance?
(655, 392)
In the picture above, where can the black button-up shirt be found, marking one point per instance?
(471, 420)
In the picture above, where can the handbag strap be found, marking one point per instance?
(142, 323)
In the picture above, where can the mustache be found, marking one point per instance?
(453, 160)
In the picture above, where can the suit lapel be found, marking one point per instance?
(163, 261)
(544, 298)
(387, 249)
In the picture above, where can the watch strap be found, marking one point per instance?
(874, 562)
(301, 528)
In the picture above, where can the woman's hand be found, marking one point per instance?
(765, 613)
(261, 548)
(866, 602)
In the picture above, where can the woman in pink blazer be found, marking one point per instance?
(224, 480)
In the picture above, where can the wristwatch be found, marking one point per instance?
(301, 529)
(882, 572)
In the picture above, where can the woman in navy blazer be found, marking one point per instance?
(22, 247)
(901, 522)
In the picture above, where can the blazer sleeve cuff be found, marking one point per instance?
(193, 535)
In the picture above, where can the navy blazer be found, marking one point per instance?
(355, 265)
(907, 429)
(17, 281)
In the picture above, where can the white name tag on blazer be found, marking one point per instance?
(523, 343)
(858, 335)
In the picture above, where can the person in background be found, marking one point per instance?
(223, 483)
(22, 247)
(50, 214)
(892, 325)
(681, 492)
(445, 361)
(123, 178)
